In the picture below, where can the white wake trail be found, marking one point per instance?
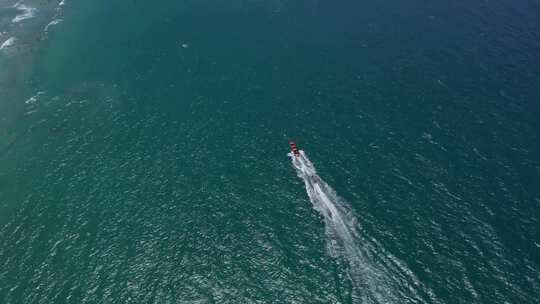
(371, 280)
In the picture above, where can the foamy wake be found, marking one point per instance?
(375, 275)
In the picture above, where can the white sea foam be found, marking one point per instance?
(52, 23)
(8, 43)
(34, 98)
(27, 12)
(60, 6)
(56, 19)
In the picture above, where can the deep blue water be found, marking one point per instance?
(144, 152)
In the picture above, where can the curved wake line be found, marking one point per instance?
(375, 276)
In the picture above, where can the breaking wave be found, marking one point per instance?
(8, 43)
(26, 12)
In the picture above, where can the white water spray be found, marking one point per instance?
(374, 278)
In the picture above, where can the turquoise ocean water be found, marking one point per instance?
(143, 151)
